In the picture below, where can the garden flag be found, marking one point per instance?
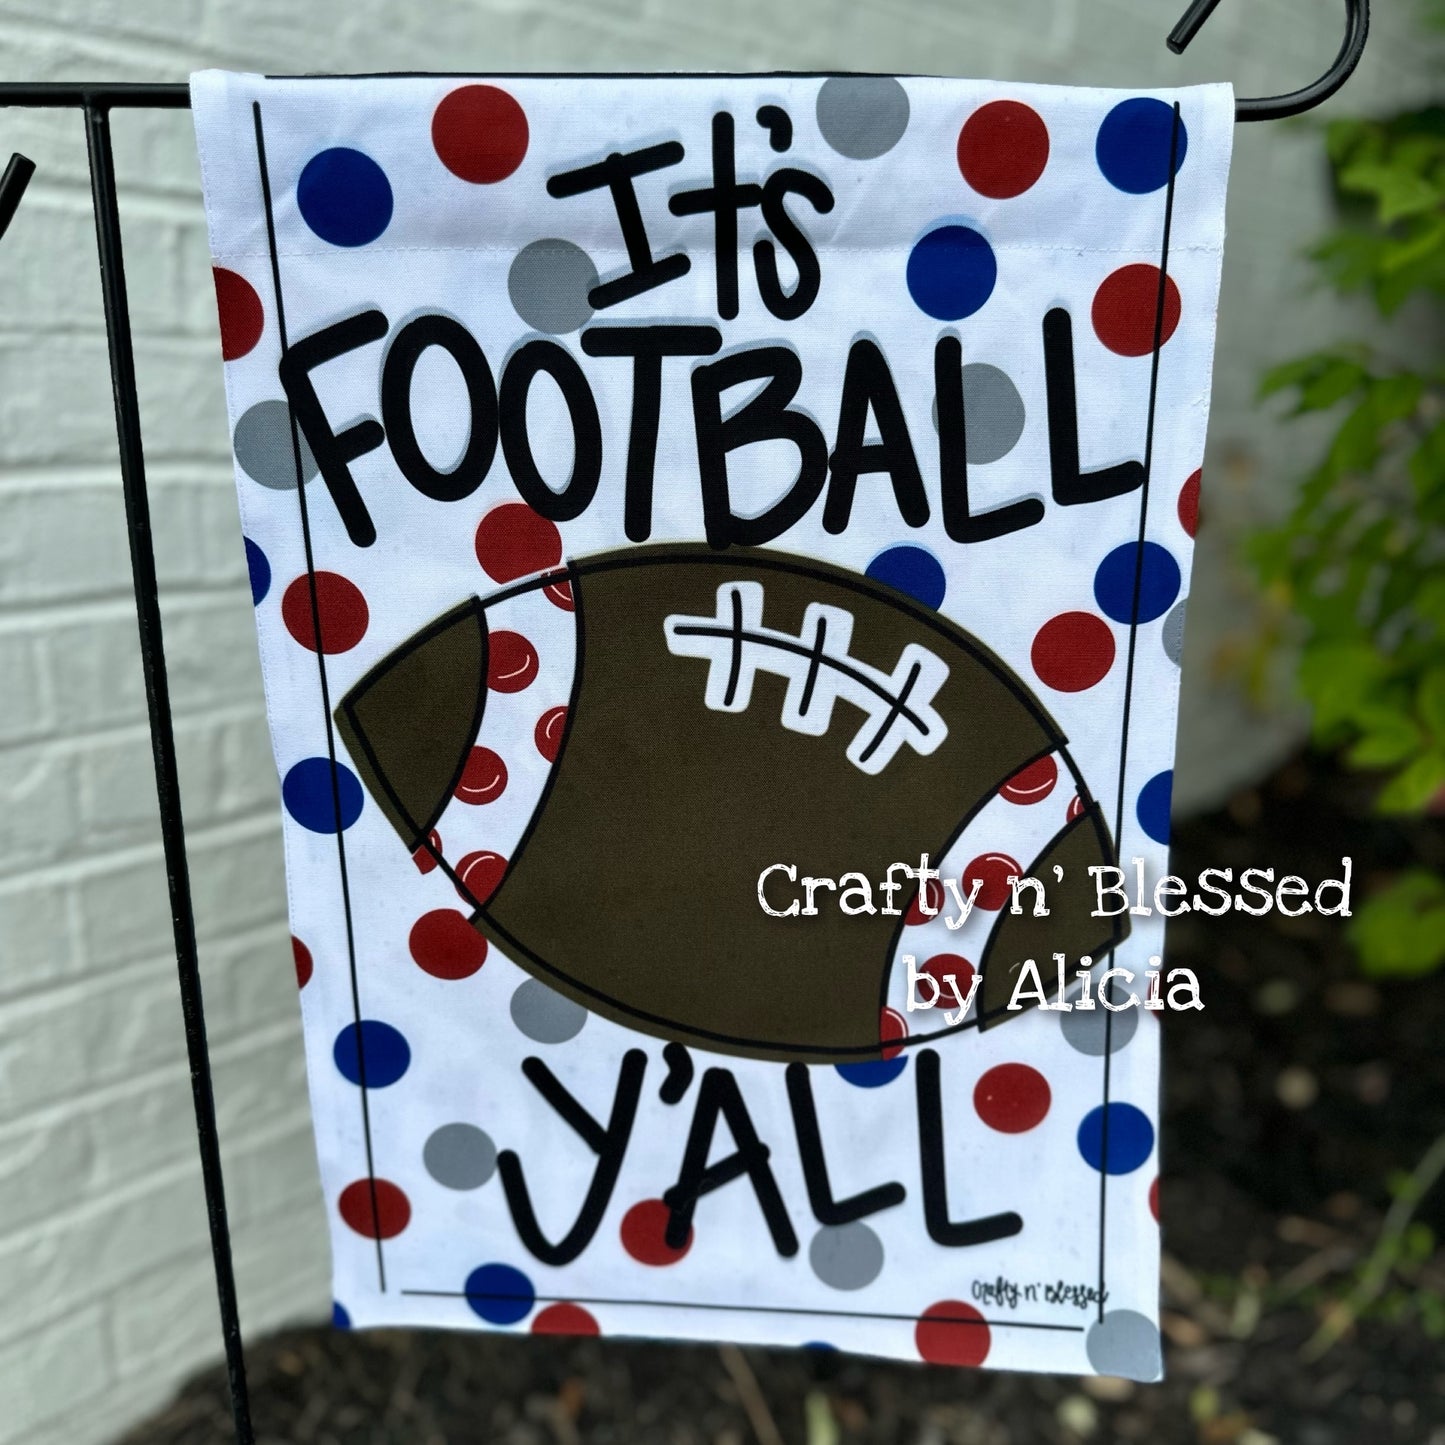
(720, 547)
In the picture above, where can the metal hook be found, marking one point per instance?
(1277, 107)
(12, 187)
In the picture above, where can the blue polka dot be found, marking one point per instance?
(911, 570)
(310, 798)
(340, 1320)
(1131, 1138)
(1133, 145)
(1152, 809)
(873, 1074)
(344, 197)
(951, 273)
(500, 1294)
(1159, 581)
(822, 1347)
(259, 571)
(388, 1055)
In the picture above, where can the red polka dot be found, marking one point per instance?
(993, 871)
(1126, 306)
(940, 966)
(891, 1027)
(1032, 784)
(1189, 503)
(480, 873)
(559, 594)
(390, 1215)
(644, 1234)
(426, 856)
(548, 734)
(511, 662)
(342, 609)
(952, 1333)
(239, 308)
(1154, 1199)
(483, 779)
(1076, 808)
(480, 133)
(1003, 149)
(932, 894)
(1012, 1098)
(304, 965)
(445, 945)
(1073, 651)
(513, 541)
(565, 1319)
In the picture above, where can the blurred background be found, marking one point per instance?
(1305, 1295)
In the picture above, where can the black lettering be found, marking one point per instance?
(782, 183)
(617, 173)
(561, 366)
(334, 451)
(958, 519)
(396, 378)
(942, 1230)
(1071, 487)
(868, 386)
(646, 345)
(826, 1209)
(766, 417)
(609, 1145)
(718, 1097)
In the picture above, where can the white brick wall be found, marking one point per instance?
(105, 1284)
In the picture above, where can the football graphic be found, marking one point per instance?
(727, 711)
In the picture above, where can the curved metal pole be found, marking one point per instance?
(1277, 107)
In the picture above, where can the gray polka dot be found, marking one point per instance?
(994, 413)
(1174, 631)
(545, 1015)
(1085, 1028)
(1124, 1343)
(264, 448)
(846, 1256)
(460, 1156)
(862, 116)
(548, 283)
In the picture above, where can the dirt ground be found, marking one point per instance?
(1289, 1106)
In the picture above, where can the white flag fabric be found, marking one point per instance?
(720, 547)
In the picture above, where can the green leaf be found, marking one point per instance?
(1410, 790)
(1430, 699)
(1388, 738)
(1398, 191)
(1400, 932)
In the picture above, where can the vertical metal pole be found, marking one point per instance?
(163, 743)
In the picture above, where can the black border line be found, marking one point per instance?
(753, 1309)
(325, 697)
(1129, 669)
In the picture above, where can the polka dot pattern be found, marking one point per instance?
(1145, 566)
(512, 662)
(862, 116)
(338, 604)
(1073, 652)
(1152, 810)
(258, 572)
(375, 1208)
(644, 1234)
(480, 134)
(443, 944)
(318, 794)
(344, 196)
(499, 1294)
(548, 733)
(1130, 1138)
(846, 1256)
(1188, 506)
(991, 871)
(239, 310)
(483, 779)
(480, 873)
(1012, 1098)
(914, 571)
(549, 283)
(460, 1156)
(1003, 149)
(1091, 1032)
(1125, 312)
(1134, 144)
(952, 1333)
(386, 1053)
(565, 1319)
(1032, 784)
(544, 1015)
(265, 450)
(1125, 1343)
(514, 541)
(951, 272)
(305, 966)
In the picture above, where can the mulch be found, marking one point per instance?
(1290, 1104)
